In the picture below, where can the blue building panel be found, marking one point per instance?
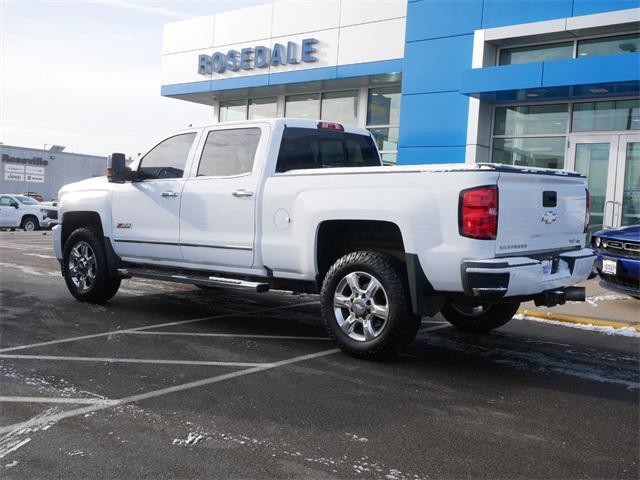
(498, 13)
(433, 120)
(436, 65)
(430, 155)
(592, 70)
(433, 19)
(587, 7)
(503, 78)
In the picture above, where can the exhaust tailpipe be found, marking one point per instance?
(575, 294)
(551, 298)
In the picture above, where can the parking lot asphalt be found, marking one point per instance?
(170, 381)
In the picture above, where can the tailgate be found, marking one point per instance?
(540, 212)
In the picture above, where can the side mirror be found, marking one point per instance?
(117, 170)
(15, 205)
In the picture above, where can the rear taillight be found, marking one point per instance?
(478, 213)
(587, 215)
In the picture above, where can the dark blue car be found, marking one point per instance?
(618, 259)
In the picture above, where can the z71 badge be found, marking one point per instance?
(123, 225)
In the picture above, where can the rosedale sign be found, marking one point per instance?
(258, 57)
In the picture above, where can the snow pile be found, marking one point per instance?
(623, 332)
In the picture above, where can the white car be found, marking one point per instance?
(306, 205)
(20, 211)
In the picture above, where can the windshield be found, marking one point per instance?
(27, 200)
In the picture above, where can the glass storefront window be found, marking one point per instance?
(606, 116)
(340, 106)
(263, 108)
(609, 45)
(383, 106)
(631, 191)
(233, 110)
(531, 120)
(536, 53)
(386, 138)
(302, 106)
(390, 158)
(592, 160)
(547, 152)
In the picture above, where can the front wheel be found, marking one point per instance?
(30, 224)
(85, 268)
(365, 305)
(479, 318)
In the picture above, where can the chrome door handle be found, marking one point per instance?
(242, 193)
(169, 194)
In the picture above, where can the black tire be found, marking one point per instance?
(30, 223)
(103, 287)
(493, 315)
(401, 324)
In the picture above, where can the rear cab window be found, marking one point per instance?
(308, 148)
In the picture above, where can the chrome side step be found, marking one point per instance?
(205, 281)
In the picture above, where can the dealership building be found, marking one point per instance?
(545, 83)
(45, 171)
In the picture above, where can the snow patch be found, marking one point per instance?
(623, 332)
(607, 297)
(356, 438)
(12, 464)
(15, 439)
(191, 440)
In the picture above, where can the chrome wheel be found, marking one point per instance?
(82, 266)
(29, 226)
(361, 306)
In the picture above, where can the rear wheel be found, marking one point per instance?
(481, 317)
(30, 224)
(365, 305)
(85, 268)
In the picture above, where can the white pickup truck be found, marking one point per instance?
(307, 206)
(20, 211)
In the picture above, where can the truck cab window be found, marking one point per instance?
(167, 159)
(6, 201)
(304, 148)
(229, 152)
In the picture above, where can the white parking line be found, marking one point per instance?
(132, 360)
(164, 391)
(228, 335)
(439, 327)
(77, 401)
(148, 327)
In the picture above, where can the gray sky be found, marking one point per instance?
(86, 73)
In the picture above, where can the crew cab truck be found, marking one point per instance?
(307, 206)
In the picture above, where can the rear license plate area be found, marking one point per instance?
(550, 265)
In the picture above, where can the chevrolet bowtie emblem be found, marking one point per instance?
(549, 217)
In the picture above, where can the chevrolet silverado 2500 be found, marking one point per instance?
(307, 206)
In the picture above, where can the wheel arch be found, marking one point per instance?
(29, 215)
(381, 236)
(71, 221)
(337, 237)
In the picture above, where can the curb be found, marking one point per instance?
(579, 320)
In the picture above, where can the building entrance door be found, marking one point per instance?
(611, 163)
